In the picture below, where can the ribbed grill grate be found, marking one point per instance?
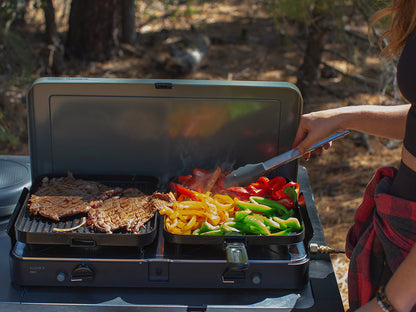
(31, 229)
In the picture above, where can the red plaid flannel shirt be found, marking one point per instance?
(383, 233)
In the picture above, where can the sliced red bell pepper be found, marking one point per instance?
(190, 183)
(301, 200)
(262, 182)
(278, 194)
(197, 181)
(292, 184)
(212, 180)
(239, 192)
(277, 183)
(184, 179)
(254, 191)
(184, 191)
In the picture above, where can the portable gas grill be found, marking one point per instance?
(144, 133)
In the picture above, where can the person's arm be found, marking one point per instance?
(383, 121)
(401, 289)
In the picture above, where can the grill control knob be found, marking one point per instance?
(82, 273)
(256, 278)
(61, 276)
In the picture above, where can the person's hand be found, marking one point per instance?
(318, 151)
(315, 127)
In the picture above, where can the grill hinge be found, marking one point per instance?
(202, 308)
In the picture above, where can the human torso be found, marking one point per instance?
(406, 69)
(404, 184)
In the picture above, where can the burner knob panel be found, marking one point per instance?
(82, 273)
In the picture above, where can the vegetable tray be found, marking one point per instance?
(248, 239)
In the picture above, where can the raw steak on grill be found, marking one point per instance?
(128, 212)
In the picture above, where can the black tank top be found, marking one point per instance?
(404, 184)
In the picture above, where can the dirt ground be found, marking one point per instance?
(247, 45)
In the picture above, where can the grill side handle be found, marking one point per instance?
(308, 228)
(20, 203)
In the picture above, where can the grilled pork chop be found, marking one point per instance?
(128, 212)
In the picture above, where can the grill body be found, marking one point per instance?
(131, 128)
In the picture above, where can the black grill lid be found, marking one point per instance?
(132, 126)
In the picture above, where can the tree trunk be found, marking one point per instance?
(56, 54)
(93, 30)
(21, 9)
(128, 21)
(308, 71)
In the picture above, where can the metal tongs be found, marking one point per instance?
(251, 172)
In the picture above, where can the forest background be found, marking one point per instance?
(321, 46)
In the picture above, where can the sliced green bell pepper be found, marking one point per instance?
(214, 232)
(207, 227)
(241, 214)
(229, 228)
(282, 233)
(252, 224)
(292, 223)
(291, 192)
(271, 224)
(278, 208)
(256, 207)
